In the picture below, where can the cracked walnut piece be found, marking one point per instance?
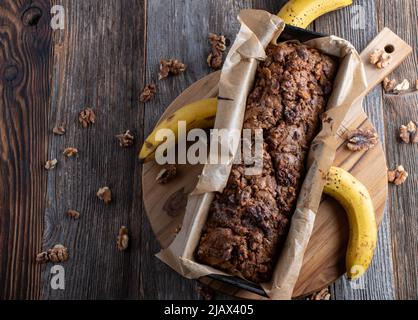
(42, 257)
(166, 174)
(408, 133)
(122, 240)
(51, 164)
(218, 46)
(397, 176)
(59, 130)
(73, 214)
(126, 139)
(58, 253)
(87, 117)
(358, 140)
(389, 84)
(105, 195)
(148, 93)
(70, 152)
(380, 58)
(172, 66)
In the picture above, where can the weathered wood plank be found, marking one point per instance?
(401, 17)
(25, 43)
(347, 23)
(98, 62)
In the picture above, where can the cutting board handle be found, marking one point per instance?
(388, 40)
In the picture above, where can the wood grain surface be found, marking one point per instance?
(25, 65)
(102, 59)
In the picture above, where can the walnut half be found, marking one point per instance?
(358, 140)
(122, 240)
(104, 194)
(172, 66)
(397, 176)
(126, 139)
(408, 133)
(148, 93)
(380, 58)
(218, 46)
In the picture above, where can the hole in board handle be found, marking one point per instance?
(389, 48)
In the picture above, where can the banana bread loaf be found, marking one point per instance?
(248, 221)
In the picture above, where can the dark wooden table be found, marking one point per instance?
(105, 55)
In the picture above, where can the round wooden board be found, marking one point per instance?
(324, 259)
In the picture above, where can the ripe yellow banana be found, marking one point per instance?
(300, 13)
(355, 199)
(199, 114)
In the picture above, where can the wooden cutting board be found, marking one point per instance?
(324, 259)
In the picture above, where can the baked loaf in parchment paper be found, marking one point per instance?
(248, 221)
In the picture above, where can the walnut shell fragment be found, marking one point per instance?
(397, 176)
(148, 93)
(104, 194)
(122, 240)
(87, 117)
(170, 66)
(361, 140)
(408, 133)
(403, 86)
(126, 139)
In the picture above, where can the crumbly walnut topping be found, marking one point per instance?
(403, 86)
(408, 133)
(380, 58)
(59, 130)
(70, 152)
(389, 84)
(104, 194)
(172, 66)
(321, 295)
(166, 174)
(51, 164)
(122, 240)
(73, 214)
(358, 140)
(148, 93)
(397, 176)
(87, 117)
(218, 46)
(126, 139)
(58, 253)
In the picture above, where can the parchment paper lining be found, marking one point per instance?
(258, 29)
